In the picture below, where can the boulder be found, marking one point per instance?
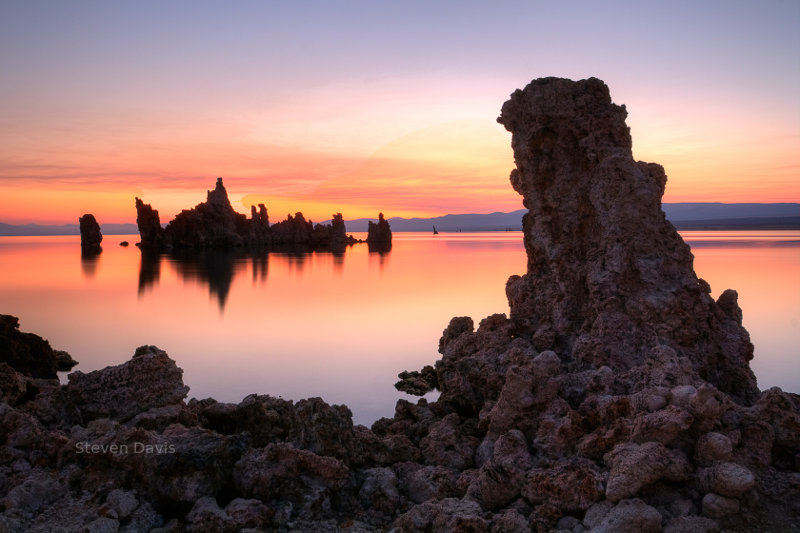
(629, 516)
(634, 466)
(449, 514)
(150, 379)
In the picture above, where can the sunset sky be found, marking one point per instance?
(366, 106)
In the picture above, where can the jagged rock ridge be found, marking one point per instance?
(214, 224)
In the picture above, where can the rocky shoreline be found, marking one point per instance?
(617, 397)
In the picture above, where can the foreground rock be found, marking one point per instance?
(628, 385)
(214, 224)
(617, 397)
(30, 354)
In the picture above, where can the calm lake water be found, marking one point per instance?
(337, 326)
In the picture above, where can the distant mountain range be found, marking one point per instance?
(684, 215)
(7, 230)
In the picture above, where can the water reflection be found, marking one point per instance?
(316, 331)
(218, 268)
(149, 270)
(89, 262)
(215, 268)
(381, 251)
(380, 247)
(260, 267)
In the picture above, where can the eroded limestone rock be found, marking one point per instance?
(150, 379)
(609, 278)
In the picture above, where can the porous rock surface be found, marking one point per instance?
(609, 278)
(594, 407)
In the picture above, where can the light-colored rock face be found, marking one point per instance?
(609, 278)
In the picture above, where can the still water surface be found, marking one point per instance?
(337, 326)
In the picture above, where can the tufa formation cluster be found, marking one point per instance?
(214, 224)
(617, 397)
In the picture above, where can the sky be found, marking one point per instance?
(362, 106)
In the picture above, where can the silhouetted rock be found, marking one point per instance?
(338, 230)
(90, 234)
(28, 353)
(214, 224)
(150, 230)
(259, 232)
(379, 233)
(294, 230)
(333, 235)
(417, 383)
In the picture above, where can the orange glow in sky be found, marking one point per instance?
(359, 110)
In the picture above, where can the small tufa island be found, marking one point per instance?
(617, 397)
(90, 235)
(214, 224)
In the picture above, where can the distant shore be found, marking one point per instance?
(729, 224)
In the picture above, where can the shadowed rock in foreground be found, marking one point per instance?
(617, 397)
(30, 354)
(214, 224)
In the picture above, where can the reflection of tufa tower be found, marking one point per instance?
(609, 278)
